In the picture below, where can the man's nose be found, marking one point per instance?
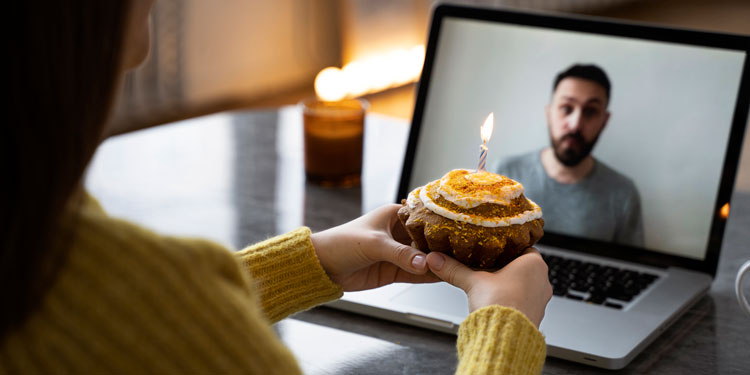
(574, 120)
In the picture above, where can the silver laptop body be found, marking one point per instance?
(466, 49)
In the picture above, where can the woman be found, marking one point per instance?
(86, 293)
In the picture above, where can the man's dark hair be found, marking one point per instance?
(589, 72)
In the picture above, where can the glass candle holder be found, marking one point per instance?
(334, 134)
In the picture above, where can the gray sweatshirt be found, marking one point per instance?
(604, 205)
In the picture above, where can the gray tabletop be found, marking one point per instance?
(237, 178)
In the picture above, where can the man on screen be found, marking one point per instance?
(580, 196)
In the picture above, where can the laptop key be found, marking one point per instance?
(596, 299)
(579, 287)
(622, 297)
(613, 305)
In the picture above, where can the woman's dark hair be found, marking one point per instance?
(64, 62)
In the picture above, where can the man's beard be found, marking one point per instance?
(571, 156)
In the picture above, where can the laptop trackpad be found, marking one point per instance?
(441, 298)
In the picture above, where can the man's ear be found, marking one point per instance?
(606, 120)
(546, 113)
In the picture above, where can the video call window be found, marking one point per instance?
(657, 133)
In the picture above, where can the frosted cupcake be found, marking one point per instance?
(480, 218)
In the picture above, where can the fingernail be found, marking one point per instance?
(418, 262)
(438, 262)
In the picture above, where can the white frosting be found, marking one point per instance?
(412, 199)
(508, 193)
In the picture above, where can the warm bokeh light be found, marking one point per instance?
(372, 74)
(329, 84)
(724, 212)
(357, 79)
(486, 130)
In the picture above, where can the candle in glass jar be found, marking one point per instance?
(333, 135)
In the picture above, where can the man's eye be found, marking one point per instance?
(566, 109)
(590, 112)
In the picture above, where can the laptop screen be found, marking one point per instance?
(620, 139)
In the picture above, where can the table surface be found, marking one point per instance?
(237, 178)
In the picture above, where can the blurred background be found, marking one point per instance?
(211, 56)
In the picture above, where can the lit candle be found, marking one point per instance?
(333, 127)
(486, 133)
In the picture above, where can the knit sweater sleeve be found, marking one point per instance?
(499, 340)
(131, 301)
(288, 275)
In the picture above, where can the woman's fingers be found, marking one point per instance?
(386, 213)
(386, 218)
(532, 250)
(402, 276)
(397, 228)
(450, 270)
(405, 257)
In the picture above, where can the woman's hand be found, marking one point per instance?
(370, 252)
(522, 284)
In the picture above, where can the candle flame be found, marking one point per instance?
(329, 84)
(724, 212)
(486, 129)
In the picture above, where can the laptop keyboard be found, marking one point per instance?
(595, 283)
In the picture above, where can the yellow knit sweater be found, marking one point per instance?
(131, 301)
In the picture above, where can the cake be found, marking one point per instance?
(482, 219)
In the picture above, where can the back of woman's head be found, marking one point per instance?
(64, 62)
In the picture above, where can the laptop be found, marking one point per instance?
(678, 106)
